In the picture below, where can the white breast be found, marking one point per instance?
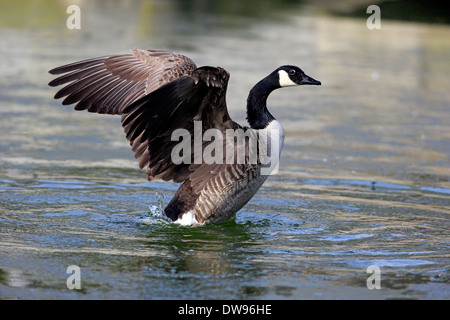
(271, 142)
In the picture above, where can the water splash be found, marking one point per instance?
(156, 212)
(160, 204)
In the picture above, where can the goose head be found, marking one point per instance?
(289, 76)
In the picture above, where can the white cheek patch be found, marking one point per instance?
(284, 79)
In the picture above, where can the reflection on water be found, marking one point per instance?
(364, 177)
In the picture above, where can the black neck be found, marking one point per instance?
(257, 114)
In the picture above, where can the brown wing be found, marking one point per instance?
(108, 84)
(150, 122)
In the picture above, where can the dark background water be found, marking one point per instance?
(363, 180)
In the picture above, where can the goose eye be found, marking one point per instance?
(291, 72)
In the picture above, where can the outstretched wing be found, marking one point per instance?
(109, 84)
(150, 122)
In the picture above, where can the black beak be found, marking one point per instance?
(308, 80)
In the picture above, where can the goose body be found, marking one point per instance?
(159, 92)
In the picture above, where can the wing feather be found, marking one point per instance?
(151, 120)
(108, 84)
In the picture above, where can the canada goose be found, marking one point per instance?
(157, 92)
